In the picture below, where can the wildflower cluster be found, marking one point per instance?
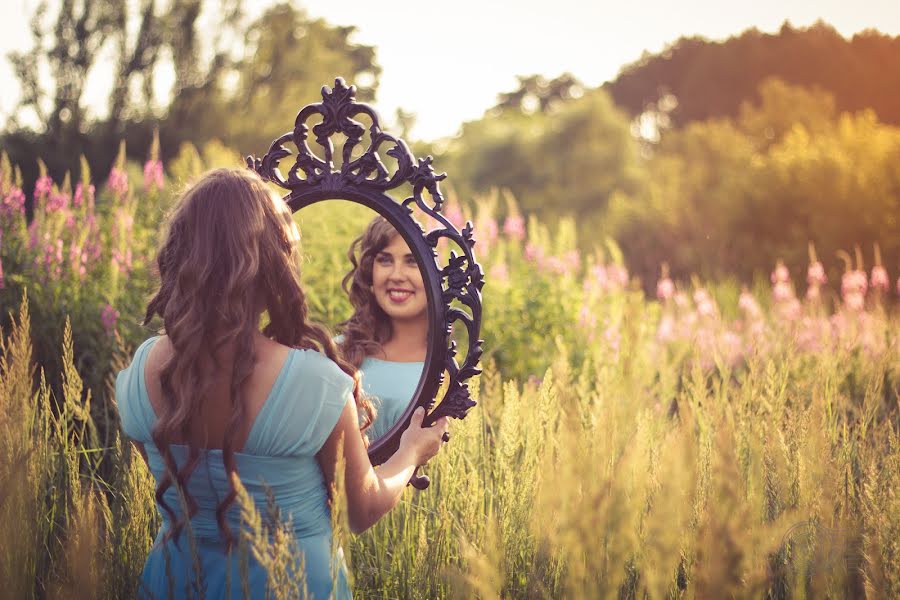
(77, 253)
(859, 322)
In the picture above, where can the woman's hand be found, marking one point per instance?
(371, 493)
(423, 442)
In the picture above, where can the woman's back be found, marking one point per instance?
(229, 254)
(294, 403)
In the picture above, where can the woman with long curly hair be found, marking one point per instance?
(387, 335)
(214, 398)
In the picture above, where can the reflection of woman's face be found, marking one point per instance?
(397, 281)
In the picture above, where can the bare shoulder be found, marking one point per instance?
(158, 355)
(270, 350)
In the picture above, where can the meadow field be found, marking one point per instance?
(719, 439)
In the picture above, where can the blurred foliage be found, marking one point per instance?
(716, 158)
(566, 160)
(732, 197)
(712, 79)
(236, 80)
(721, 197)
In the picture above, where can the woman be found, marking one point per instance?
(387, 335)
(214, 397)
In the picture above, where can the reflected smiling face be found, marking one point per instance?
(397, 282)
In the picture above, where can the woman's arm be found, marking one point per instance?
(372, 493)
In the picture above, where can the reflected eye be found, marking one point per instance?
(384, 259)
(411, 261)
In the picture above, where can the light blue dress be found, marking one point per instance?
(300, 413)
(393, 385)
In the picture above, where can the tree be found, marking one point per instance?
(242, 84)
(731, 197)
(712, 79)
(570, 161)
(782, 107)
(289, 57)
(537, 93)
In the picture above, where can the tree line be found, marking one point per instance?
(717, 158)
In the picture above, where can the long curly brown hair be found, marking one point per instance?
(369, 326)
(227, 255)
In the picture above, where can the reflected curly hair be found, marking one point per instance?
(369, 326)
(227, 255)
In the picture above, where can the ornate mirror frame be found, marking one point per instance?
(453, 290)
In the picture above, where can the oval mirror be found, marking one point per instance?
(363, 281)
(367, 165)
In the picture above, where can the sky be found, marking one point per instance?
(447, 61)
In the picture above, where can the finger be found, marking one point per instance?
(417, 417)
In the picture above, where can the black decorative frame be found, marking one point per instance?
(366, 180)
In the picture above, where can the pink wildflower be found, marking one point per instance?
(533, 253)
(572, 260)
(514, 227)
(854, 301)
(599, 275)
(49, 259)
(586, 317)
(854, 282)
(122, 260)
(153, 175)
(556, 265)
(706, 307)
(748, 305)
(109, 318)
(489, 226)
(14, 202)
(80, 196)
(500, 272)
(613, 338)
(791, 309)
(880, 279)
(118, 182)
(57, 202)
(732, 347)
(455, 216)
(666, 331)
(618, 275)
(812, 333)
(43, 186)
(78, 259)
(781, 273)
(33, 235)
(815, 275)
(681, 300)
(783, 291)
(665, 289)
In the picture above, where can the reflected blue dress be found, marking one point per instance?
(299, 414)
(393, 384)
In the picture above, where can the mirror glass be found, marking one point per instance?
(363, 282)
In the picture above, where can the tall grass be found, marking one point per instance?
(68, 533)
(615, 477)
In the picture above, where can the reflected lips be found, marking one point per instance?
(398, 295)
